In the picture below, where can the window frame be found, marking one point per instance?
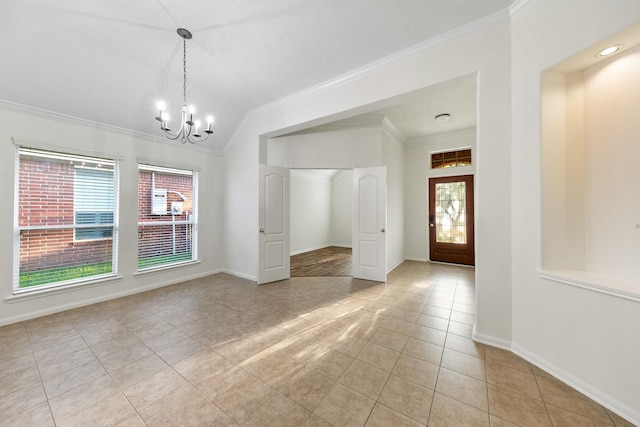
(451, 158)
(148, 166)
(62, 154)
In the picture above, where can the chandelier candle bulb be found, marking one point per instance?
(161, 107)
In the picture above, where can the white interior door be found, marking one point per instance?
(274, 224)
(370, 223)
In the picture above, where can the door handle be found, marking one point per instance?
(262, 230)
(431, 225)
(382, 230)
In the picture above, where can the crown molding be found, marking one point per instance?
(372, 120)
(392, 130)
(373, 66)
(519, 6)
(14, 106)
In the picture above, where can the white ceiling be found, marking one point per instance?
(415, 117)
(110, 61)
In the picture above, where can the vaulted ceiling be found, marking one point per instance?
(111, 61)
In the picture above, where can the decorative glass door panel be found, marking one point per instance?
(451, 213)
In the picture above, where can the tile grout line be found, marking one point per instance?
(435, 386)
(35, 361)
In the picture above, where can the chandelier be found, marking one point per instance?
(190, 130)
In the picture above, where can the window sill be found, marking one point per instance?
(595, 282)
(27, 294)
(163, 268)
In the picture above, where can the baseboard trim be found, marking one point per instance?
(594, 394)
(302, 251)
(614, 405)
(394, 266)
(411, 258)
(317, 248)
(489, 340)
(102, 298)
(239, 275)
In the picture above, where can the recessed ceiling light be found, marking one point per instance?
(610, 50)
(442, 117)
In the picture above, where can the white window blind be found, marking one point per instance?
(93, 202)
(167, 216)
(66, 222)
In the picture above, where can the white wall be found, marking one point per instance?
(486, 51)
(333, 148)
(310, 206)
(612, 173)
(393, 155)
(320, 210)
(417, 173)
(584, 337)
(341, 208)
(63, 134)
(563, 190)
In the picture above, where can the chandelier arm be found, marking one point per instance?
(178, 133)
(172, 136)
(193, 139)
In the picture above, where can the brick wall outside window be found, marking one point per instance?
(45, 197)
(159, 240)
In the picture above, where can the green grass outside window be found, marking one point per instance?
(63, 274)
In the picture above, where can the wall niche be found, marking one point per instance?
(591, 172)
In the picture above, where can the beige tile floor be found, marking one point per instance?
(303, 352)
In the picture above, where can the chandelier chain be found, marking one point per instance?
(184, 68)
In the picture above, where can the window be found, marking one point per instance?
(451, 159)
(66, 223)
(167, 216)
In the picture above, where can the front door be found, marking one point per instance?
(451, 220)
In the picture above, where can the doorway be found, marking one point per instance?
(451, 231)
(320, 225)
(368, 223)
